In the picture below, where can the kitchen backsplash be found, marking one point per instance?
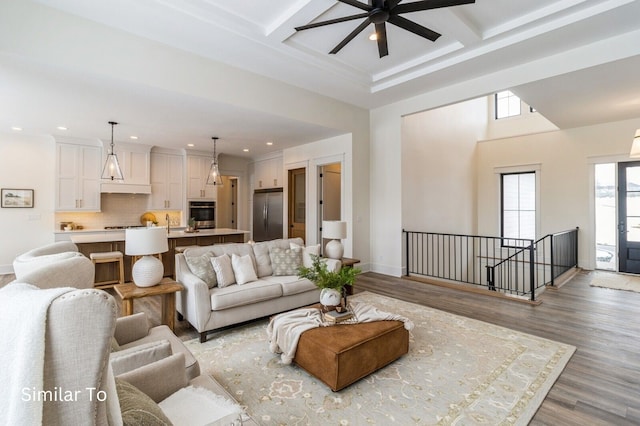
(118, 210)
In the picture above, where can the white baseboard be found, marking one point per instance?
(6, 269)
(393, 271)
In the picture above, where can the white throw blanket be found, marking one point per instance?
(284, 330)
(23, 317)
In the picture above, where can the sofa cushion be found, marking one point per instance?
(240, 295)
(243, 269)
(201, 267)
(261, 254)
(285, 261)
(162, 332)
(224, 270)
(292, 284)
(136, 356)
(138, 408)
(307, 260)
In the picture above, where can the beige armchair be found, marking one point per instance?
(55, 265)
(134, 331)
(79, 330)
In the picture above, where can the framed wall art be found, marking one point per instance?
(16, 198)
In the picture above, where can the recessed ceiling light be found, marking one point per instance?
(245, 149)
(61, 128)
(269, 143)
(190, 145)
(135, 138)
(17, 129)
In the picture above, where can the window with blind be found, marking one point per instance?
(518, 206)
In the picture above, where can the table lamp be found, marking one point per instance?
(335, 231)
(146, 242)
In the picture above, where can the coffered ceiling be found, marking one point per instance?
(477, 39)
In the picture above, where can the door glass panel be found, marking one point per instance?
(633, 179)
(633, 228)
(606, 221)
(299, 198)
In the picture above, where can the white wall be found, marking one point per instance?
(438, 167)
(566, 160)
(26, 162)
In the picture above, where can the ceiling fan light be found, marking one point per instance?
(373, 37)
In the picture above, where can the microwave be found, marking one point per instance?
(204, 213)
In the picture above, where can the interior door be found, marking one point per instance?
(297, 203)
(331, 193)
(629, 217)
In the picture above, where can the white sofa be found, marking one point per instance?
(208, 309)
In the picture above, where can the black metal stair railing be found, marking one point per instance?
(511, 266)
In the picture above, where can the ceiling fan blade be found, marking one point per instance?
(351, 36)
(428, 4)
(357, 4)
(392, 3)
(381, 34)
(417, 29)
(332, 21)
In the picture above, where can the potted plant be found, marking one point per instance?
(332, 283)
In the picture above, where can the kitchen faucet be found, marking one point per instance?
(168, 224)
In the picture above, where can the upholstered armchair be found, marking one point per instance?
(79, 386)
(55, 265)
(134, 331)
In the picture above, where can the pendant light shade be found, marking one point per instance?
(214, 177)
(635, 146)
(111, 169)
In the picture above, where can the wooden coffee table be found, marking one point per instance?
(167, 289)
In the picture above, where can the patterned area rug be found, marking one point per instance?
(615, 281)
(458, 371)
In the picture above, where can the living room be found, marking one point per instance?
(399, 159)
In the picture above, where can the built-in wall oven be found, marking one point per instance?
(204, 213)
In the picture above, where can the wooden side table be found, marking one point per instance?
(348, 262)
(167, 289)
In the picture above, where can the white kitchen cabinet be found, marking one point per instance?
(268, 173)
(166, 182)
(197, 171)
(78, 169)
(135, 163)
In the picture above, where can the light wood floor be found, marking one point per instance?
(601, 383)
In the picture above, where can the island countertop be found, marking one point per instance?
(104, 236)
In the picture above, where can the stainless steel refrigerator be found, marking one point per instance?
(267, 214)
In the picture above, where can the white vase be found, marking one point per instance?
(330, 297)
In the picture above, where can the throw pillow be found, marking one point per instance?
(224, 271)
(137, 408)
(285, 261)
(243, 269)
(307, 251)
(201, 267)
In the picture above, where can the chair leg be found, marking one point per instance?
(203, 337)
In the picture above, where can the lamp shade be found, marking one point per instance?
(143, 241)
(334, 229)
(635, 146)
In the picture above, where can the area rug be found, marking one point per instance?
(615, 281)
(458, 371)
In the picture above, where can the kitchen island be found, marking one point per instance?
(97, 241)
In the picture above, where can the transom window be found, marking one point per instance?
(507, 104)
(518, 192)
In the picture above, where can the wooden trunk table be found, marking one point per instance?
(167, 289)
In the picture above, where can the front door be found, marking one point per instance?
(297, 203)
(629, 217)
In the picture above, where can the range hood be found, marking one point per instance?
(124, 188)
(135, 162)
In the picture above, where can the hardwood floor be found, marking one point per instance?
(601, 383)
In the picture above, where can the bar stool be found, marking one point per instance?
(109, 257)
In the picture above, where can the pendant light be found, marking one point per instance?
(635, 146)
(111, 168)
(214, 177)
